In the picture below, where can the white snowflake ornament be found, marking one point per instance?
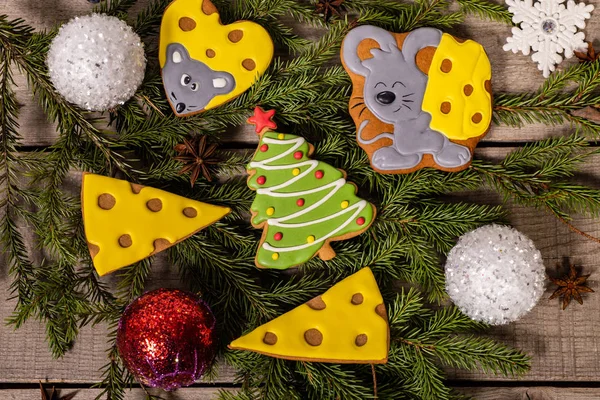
(548, 28)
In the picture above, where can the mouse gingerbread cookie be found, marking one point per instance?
(126, 222)
(346, 324)
(301, 204)
(420, 99)
(205, 63)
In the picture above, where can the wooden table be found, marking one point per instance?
(565, 345)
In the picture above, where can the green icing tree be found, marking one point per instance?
(301, 204)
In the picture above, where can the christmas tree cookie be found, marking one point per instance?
(125, 222)
(346, 324)
(301, 204)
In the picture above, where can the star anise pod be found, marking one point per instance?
(54, 394)
(570, 286)
(196, 156)
(329, 8)
(589, 56)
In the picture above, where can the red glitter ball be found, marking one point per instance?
(278, 236)
(300, 202)
(319, 174)
(166, 338)
(261, 180)
(360, 221)
(264, 147)
(298, 155)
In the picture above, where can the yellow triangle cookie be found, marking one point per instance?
(125, 222)
(346, 324)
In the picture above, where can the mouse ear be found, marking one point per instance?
(223, 82)
(176, 53)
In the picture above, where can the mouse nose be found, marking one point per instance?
(385, 97)
(180, 107)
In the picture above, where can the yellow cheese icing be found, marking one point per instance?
(348, 314)
(137, 221)
(456, 94)
(210, 43)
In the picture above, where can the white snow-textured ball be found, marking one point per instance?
(495, 274)
(96, 62)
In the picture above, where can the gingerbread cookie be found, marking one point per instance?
(301, 204)
(420, 99)
(125, 222)
(346, 324)
(205, 63)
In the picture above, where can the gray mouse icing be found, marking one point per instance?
(190, 84)
(393, 91)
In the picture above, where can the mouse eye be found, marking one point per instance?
(194, 86)
(185, 80)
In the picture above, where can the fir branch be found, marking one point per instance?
(116, 8)
(486, 10)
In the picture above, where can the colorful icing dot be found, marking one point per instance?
(345, 204)
(296, 171)
(300, 202)
(310, 239)
(319, 174)
(264, 147)
(298, 155)
(270, 211)
(280, 136)
(275, 256)
(261, 180)
(360, 221)
(278, 236)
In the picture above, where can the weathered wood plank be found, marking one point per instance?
(531, 393)
(135, 394)
(564, 344)
(511, 72)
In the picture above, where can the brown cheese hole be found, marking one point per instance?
(210, 53)
(160, 245)
(476, 118)
(270, 338)
(361, 340)
(316, 304)
(125, 241)
(446, 66)
(381, 311)
(468, 89)
(154, 205)
(235, 35)
(106, 201)
(190, 212)
(135, 188)
(488, 86)
(357, 298)
(187, 24)
(249, 64)
(94, 250)
(208, 7)
(313, 337)
(445, 107)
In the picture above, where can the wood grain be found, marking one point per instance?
(135, 394)
(564, 344)
(531, 393)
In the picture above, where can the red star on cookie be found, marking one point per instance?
(263, 120)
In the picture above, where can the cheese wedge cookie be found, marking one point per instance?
(125, 222)
(346, 324)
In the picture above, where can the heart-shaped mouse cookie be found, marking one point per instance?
(205, 63)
